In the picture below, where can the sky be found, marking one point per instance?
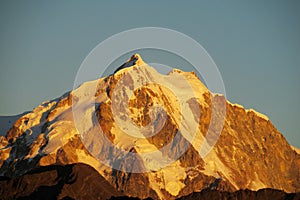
(255, 44)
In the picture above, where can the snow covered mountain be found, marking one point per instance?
(108, 126)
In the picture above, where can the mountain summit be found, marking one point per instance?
(143, 134)
(135, 59)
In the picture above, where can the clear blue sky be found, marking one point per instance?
(256, 45)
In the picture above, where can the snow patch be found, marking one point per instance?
(214, 166)
(249, 110)
(296, 149)
(258, 114)
(6, 122)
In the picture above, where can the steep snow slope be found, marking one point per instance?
(6, 122)
(164, 128)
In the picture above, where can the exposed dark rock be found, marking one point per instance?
(242, 195)
(78, 181)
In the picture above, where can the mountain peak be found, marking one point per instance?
(85, 125)
(135, 60)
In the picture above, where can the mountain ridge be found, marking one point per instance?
(68, 182)
(249, 154)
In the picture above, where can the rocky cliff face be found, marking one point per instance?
(108, 125)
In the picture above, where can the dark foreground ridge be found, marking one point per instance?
(76, 181)
(207, 194)
(80, 181)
